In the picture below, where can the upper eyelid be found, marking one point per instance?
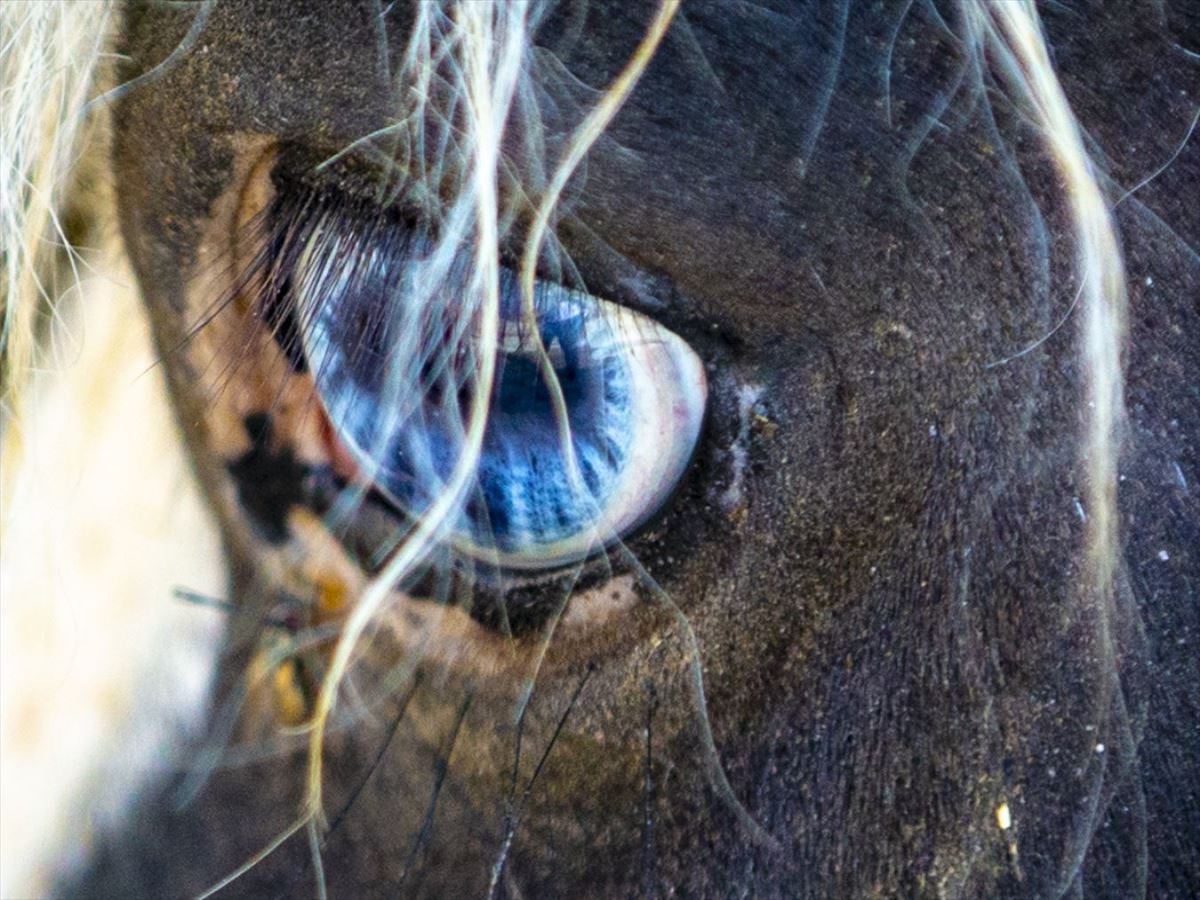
(292, 221)
(357, 194)
(364, 237)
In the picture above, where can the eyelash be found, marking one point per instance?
(370, 238)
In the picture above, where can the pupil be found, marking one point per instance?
(522, 390)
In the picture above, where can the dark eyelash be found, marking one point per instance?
(286, 228)
(362, 239)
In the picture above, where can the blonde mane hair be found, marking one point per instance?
(99, 514)
(62, 406)
(50, 54)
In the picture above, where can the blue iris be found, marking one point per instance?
(525, 496)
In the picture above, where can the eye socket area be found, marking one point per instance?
(580, 447)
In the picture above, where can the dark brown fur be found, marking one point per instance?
(891, 631)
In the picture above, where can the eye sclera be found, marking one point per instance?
(634, 394)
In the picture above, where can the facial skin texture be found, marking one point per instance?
(878, 547)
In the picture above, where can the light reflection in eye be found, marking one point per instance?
(634, 396)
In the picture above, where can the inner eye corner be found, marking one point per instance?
(256, 192)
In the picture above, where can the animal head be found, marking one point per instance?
(665, 447)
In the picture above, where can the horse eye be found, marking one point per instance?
(589, 428)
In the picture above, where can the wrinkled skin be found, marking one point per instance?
(886, 601)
